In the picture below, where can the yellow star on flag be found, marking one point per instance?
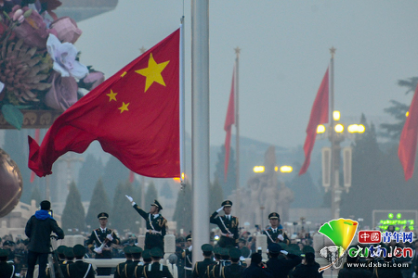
(153, 72)
(124, 107)
(112, 95)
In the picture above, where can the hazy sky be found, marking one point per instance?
(285, 52)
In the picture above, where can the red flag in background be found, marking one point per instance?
(408, 141)
(134, 115)
(229, 121)
(37, 138)
(319, 115)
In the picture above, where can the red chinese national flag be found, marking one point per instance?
(319, 115)
(408, 142)
(134, 115)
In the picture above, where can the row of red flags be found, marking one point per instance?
(319, 115)
(135, 117)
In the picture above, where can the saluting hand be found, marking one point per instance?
(129, 198)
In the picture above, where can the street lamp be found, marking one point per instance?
(259, 169)
(336, 133)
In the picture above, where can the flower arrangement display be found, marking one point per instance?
(39, 64)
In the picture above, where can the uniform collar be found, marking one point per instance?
(156, 215)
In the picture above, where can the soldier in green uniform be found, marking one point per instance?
(187, 256)
(228, 225)
(235, 269)
(6, 269)
(139, 269)
(129, 268)
(217, 256)
(120, 267)
(245, 251)
(79, 268)
(200, 268)
(102, 238)
(225, 260)
(156, 224)
(61, 261)
(156, 270)
(275, 233)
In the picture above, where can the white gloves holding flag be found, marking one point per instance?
(219, 210)
(280, 237)
(109, 237)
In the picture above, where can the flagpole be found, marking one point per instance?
(200, 124)
(236, 85)
(182, 106)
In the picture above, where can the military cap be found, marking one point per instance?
(146, 254)
(136, 250)
(61, 249)
(189, 237)
(103, 215)
(157, 204)
(79, 250)
(274, 215)
(4, 253)
(234, 253)
(68, 253)
(8, 243)
(294, 249)
(275, 248)
(207, 248)
(217, 250)
(156, 252)
(224, 252)
(227, 203)
(127, 250)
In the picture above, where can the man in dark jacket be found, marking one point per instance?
(6, 269)
(257, 269)
(353, 272)
(38, 230)
(308, 269)
(281, 262)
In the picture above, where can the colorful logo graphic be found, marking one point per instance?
(369, 237)
(341, 232)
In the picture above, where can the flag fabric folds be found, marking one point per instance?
(319, 115)
(134, 115)
(229, 121)
(408, 142)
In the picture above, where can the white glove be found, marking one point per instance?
(280, 237)
(190, 248)
(284, 252)
(129, 198)
(98, 250)
(218, 210)
(109, 237)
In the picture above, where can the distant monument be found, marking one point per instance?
(263, 194)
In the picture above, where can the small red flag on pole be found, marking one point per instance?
(319, 115)
(408, 141)
(229, 121)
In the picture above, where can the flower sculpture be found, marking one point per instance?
(39, 67)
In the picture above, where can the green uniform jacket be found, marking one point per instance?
(99, 239)
(128, 269)
(119, 269)
(79, 270)
(200, 268)
(232, 271)
(7, 270)
(157, 270)
(273, 235)
(139, 271)
(226, 225)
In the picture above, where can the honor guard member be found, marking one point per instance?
(6, 269)
(79, 268)
(281, 262)
(275, 233)
(129, 268)
(228, 225)
(225, 260)
(235, 269)
(156, 270)
(217, 257)
(139, 269)
(187, 256)
(102, 238)
(156, 224)
(120, 267)
(200, 268)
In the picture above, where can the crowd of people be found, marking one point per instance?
(225, 255)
